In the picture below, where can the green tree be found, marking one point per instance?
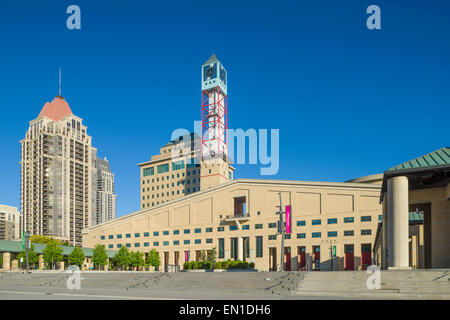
(32, 257)
(44, 239)
(153, 259)
(212, 257)
(203, 256)
(76, 257)
(1, 260)
(99, 256)
(137, 259)
(52, 254)
(122, 258)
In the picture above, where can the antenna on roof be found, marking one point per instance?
(59, 93)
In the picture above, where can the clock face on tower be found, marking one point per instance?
(210, 72)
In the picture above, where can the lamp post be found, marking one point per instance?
(282, 230)
(331, 251)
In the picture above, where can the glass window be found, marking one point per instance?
(198, 241)
(233, 228)
(176, 231)
(148, 172)
(273, 237)
(128, 235)
(301, 235)
(119, 236)
(119, 245)
(165, 243)
(366, 232)
(110, 236)
(316, 235)
(165, 233)
(155, 233)
(349, 219)
(146, 244)
(258, 226)
(163, 168)
(156, 244)
(246, 227)
(176, 242)
(209, 229)
(177, 165)
(221, 248)
(349, 233)
(198, 230)
(102, 237)
(186, 231)
(187, 241)
(332, 221)
(137, 244)
(301, 223)
(316, 222)
(209, 240)
(110, 246)
(146, 234)
(366, 218)
(259, 246)
(273, 225)
(220, 229)
(137, 235)
(128, 245)
(332, 234)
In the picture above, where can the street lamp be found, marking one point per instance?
(332, 251)
(281, 230)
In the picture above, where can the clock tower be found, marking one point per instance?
(215, 167)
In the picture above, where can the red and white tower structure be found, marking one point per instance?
(214, 147)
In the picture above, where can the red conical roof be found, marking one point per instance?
(56, 110)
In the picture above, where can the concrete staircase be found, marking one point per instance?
(411, 284)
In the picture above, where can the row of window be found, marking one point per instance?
(333, 234)
(156, 243)
(317, 222)
(163, 168)
(156, 233)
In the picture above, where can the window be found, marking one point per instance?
(380, 217)
(366, 218)
(137, 235)
(349, 219)
(146, 244)
(221, 248)
(316, 235)
(287, 235)
(366, 232)
(209, 229)
(301, 223)
(128, 235)
(137, 244)
(128, 245)
(146, 234)
(148, 172)
(176, 231)
(316, 222)
(301, 235)
(110, 236)
(165, 233)
(209, 240)
(119, 245)
(102, 237)
(176, 242)
(258, 226)
(119, 236)
(259, 246)
(155, 233)
(198, 230)
(332, 221)
(165, 243)
(187, 241)
(348, 233)
(110, 246)
(177, 165)
(186, 231)
(272, 225)
(198, 241)
(156, 244)
(246, 227)
(273, 237)
(163, 168)
(220, 229)
(233, 228)
(332, 234)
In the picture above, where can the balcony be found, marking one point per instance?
(238, 217)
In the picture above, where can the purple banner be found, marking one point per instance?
(186, 256)
(288, 219)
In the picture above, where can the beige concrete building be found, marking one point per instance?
(176, 172)
(9, 223)
(57, 161)
(419, 185)
(239, 219)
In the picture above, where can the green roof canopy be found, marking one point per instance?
(16, 247)
(436, 158)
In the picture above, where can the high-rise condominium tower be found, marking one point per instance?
(57, 163)
(105, 206)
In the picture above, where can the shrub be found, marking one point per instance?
(251, 265)
(218, 265)
(186, 265)
(206, 265)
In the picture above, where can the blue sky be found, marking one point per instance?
(348, 101)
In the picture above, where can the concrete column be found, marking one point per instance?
(240, 248)
(61, 266)
(398, 229)
(6, 261)
(15, 265)
(41, 262)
